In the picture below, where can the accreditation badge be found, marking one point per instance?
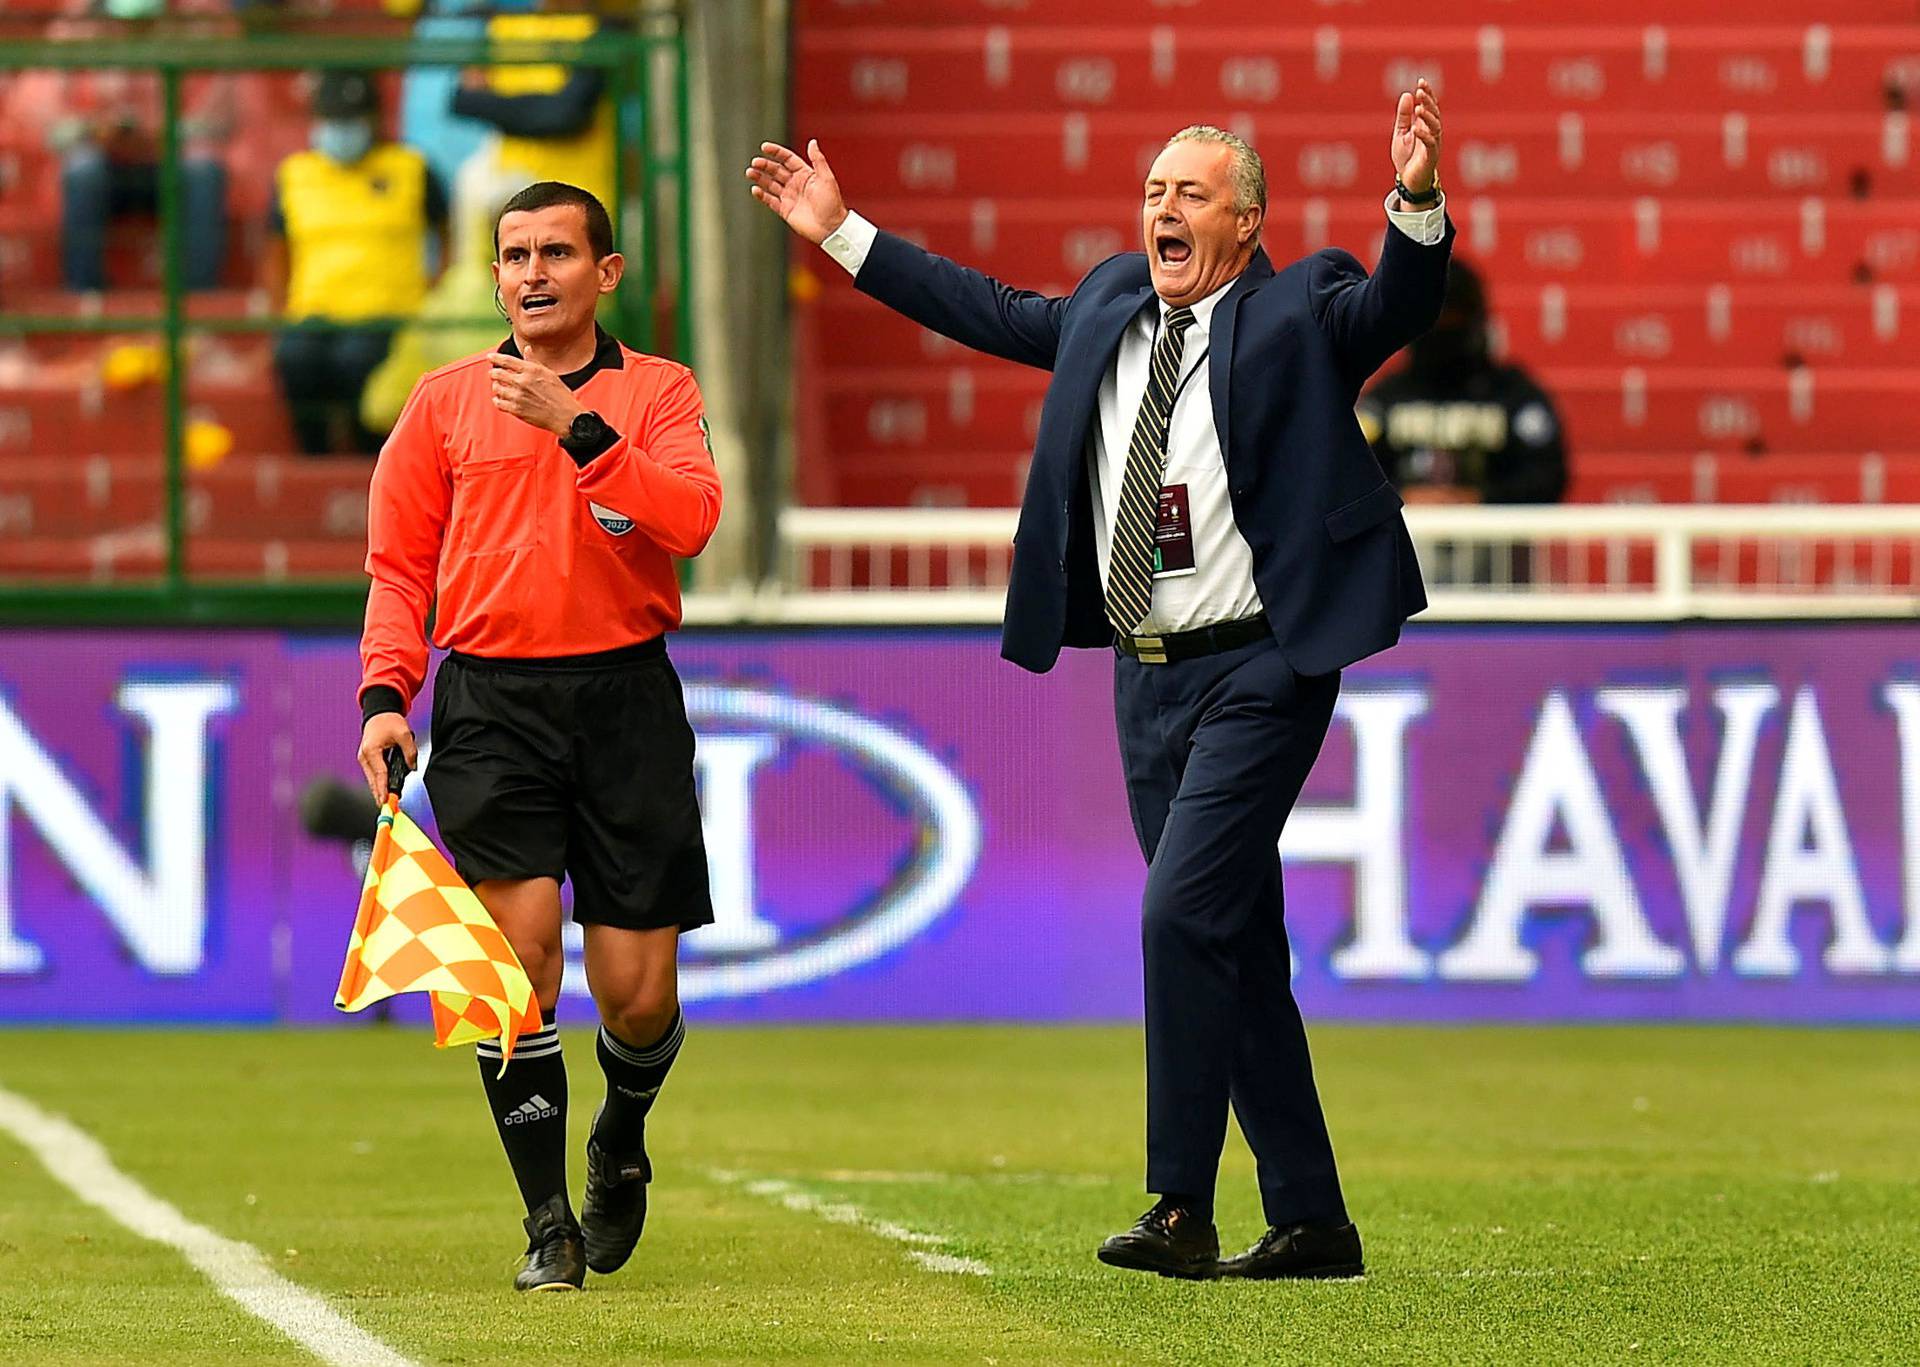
(1173, 534)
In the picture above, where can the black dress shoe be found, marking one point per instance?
(1170, 1240)
(615, 1209)
(556, 1256)
(1308, 1251)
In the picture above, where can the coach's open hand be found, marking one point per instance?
(383, 731)
(533, 394)
(1416, 138)
(803, 193)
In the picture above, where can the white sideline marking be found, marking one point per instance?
(845, 1213)
(237, 1270)
(890, 1177)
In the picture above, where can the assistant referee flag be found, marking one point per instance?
(421, 929)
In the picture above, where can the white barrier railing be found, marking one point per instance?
(1578, 562)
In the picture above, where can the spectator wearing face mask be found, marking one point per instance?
(1454, 425)
(353, 218)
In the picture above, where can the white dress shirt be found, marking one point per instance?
(1220, 586)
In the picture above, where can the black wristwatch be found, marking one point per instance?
(588, 437)
(1426, 201)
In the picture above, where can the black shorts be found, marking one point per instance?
(579, 768)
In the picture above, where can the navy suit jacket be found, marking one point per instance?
(1289, 352)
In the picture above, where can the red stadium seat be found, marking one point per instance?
(132, 559)
(927, 408)
(1745, 325)
(1634, 477)
(931, 479)
(284, 497)
(1021, 63)
(1645, 242)
(984, 155)
(816, 16)
(1731, 410)
(1554, 325)
(1788, 479)
(55, 419)
(1701, 229)
(1709, 477)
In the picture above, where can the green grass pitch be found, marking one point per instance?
(1526, 1195)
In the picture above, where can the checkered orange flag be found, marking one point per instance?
(421, 929)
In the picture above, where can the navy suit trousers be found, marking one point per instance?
(1216, 750)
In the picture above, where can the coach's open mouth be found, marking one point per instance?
(1172, 250)
(537, 303)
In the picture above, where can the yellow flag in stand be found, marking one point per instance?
(421, 929)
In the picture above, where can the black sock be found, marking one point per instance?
(633, 1080)
(529, 1104)
(1200, 1207)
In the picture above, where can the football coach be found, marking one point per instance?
(1202, 503)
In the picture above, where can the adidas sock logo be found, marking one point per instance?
(533, 1108)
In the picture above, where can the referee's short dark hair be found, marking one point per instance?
(549, 194)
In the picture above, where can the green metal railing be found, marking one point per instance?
(647, 82)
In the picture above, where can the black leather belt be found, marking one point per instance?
(1188, 645)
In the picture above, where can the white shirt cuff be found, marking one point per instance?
(1425, 226)
(853, 239)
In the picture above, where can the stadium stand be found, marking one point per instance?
(1703, 235)
(81, 416)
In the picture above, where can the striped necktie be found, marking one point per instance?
(1130, 569)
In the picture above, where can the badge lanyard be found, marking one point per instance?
(1173, 524)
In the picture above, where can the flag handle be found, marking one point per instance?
(397, 770)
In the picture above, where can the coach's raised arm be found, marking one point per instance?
(973, 309)
(1201, 502)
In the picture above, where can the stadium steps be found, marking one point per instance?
(1048, 244)
(979, 155)
(137, 555)
(148, 301)
(827, 16)
(82, 493)
(1721, 477)
(285, 497)
(1669, 206)
(992, 476)
(52, 419)
(974, 405)
(1090, 62)
(1546, 325)
(1704, 235)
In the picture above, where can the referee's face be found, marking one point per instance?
(548, 277)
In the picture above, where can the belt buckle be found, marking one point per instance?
(1150, 650)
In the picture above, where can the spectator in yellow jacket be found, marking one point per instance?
(353, 216)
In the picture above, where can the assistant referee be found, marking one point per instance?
(535, 498)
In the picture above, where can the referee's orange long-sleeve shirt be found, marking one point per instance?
(530, 551)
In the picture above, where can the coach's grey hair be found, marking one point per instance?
(1249, 172)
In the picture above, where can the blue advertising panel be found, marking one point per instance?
(1542, 823)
